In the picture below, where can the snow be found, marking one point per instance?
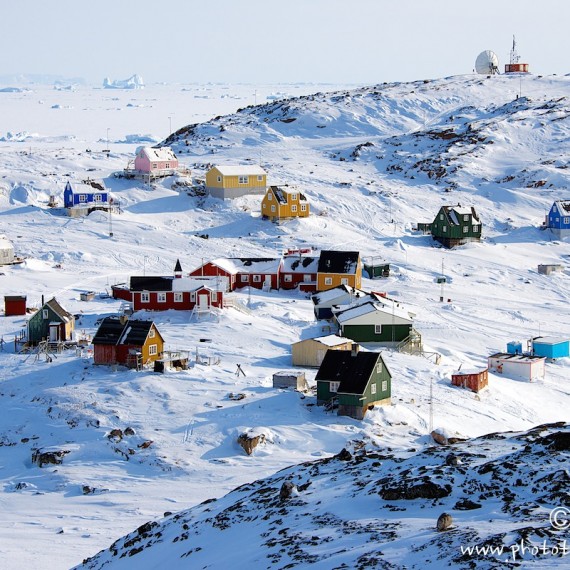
(368, 202)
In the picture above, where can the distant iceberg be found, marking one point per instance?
(133, 82)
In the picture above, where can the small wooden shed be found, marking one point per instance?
(14, 305)
(290, 379)
(473, 380)
(311, 351)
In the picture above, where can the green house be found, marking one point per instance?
(355, 381)
(456, 225)
(52, 323)
(380, 320)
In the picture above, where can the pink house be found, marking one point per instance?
(156, 162)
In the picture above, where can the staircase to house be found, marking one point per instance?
(235, 304)
(412, 344)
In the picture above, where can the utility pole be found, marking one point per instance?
(431, 404)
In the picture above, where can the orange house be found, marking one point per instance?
(339, 268)
(280, 203)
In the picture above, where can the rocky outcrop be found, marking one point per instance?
(249, 442)
(42, 458)
(444, 522)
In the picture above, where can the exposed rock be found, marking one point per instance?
(444, 522)
(425, 490)
(48, 457)
(560, 441)
(129, 431)
(287, 489)
(236, 397)
(466, 505)
(145, 444)
(250, 442)
(452, 459)
(344, 455)
(439, 438)
(116, 434)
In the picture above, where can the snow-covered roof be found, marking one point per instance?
(390, 307)
(162, 153)
(5, 243)
(247, 264)
(550, 339)
(340, 292)
(331, 340)
(86, 188)
(302, 264)
(239, 170)
(185, 284)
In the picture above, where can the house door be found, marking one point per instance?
(267, 283)
(203, 303)
(54, 332)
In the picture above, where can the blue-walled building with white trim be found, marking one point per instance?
(558, 219)
(84, 197)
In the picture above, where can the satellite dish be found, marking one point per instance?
(487, 63)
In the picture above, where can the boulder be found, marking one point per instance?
(287, 489)
(344, 455)
(116, 434)
(444, 522)
(48, 457)
(424, 490)
(249, 442)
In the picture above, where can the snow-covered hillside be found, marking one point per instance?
(376, 509)
(372, 162)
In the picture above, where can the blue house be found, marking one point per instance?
(558, 219)
(84, 197)
(551, 347)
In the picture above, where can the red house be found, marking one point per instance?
(14, 305)
(474, 380)
(182, 294)
(130, 343)
(260, 273)
(298, 270)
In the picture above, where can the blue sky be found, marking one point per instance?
(264, 41)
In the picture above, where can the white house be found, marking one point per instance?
(6, 251)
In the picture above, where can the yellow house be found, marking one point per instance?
(233, 181)
(339, 268)
(280, 203)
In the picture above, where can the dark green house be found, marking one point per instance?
(52, 323)
(456, 225)
(380, 320)
(355, 381)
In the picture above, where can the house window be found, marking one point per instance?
(145, 297)
(384, 385)
(379, 368)
(152, 349)
(466, 218)
(566, 221)
(328, 280)
(243, 179)
(154, 165)
(244, 278)
(151, 333)
(373, 388)
(288, 278)
(178, 297)
(270, 196)
(167, 165)
(293, 197)
(333, 386)
(193, 297)
(45, 314)
(161, 297)
(377, 329)
(344, 281)
(83, 197)
(97, 197)
(294, 208)
(303, 207)
(273, 208)
(307, 278)
(441, 216)
(465, 229)
(475, 228)
(264, 205)
(260, 178)
(257, 278)
(219, 178)
(444, 229)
